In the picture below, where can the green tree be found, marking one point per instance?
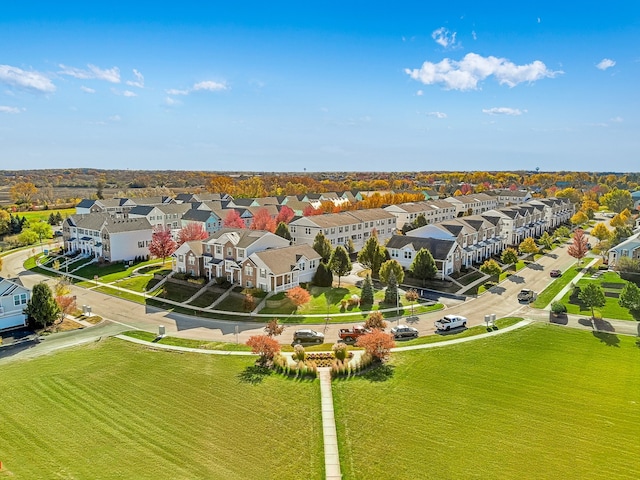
(491, 267)
(5, 220)
(42, 307)
(323, 276)
(27, 237)
(372, 255)
(630, 297)
(528, 245)
(42, 229)
(322, 246)
(617, 200)
(621, 233)
(509, 256)
(339, 262)
(351, 248)
(366, 295)
(391, 266)
(420, 221)
(546, 240)
(424, 266)
(391, 292)
(282, 230)
(592, 295)
(562, 232)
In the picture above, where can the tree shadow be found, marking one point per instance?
(411, 320)
(497, 290)
(609, 339)
(551, 255)
(602, 325)
(515, 279)
(380, 373)
(586, 322)
(535, 266)
(559, 319)
(254, 374)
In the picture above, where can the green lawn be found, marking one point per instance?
(115, 410)
(187, 342)
(43, 215)
(545, 297)
(539, 402)
(611, 309)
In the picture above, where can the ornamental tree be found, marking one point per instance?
(491, 267)
(265, 346)
(579, 218)
(578, 248)
(424, 266)
(66, 304)
(546, 240)
(162, 243)
(42, 307)
(191, 231)
(298, 296)
(592, 295)
(273, 328)
(233, 220)
(263, 221)
(601, 231)
(285, 215)
(630, 297)
(528, 245)
(378, 344)
(412, 296)
(562, 232)
(339, 262)
(509, 256)
(387, 268)
(375, 321)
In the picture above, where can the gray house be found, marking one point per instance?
(13, 300)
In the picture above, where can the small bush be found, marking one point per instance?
(558, 308)
(340, 351)
(298, 353)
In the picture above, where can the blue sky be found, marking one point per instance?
(340, 86)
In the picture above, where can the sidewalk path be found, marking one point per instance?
(329, 434)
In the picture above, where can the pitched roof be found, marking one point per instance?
(438, 247)
(282, 260)
(121, 225)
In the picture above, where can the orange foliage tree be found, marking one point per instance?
(298, 296)
(67, 304)
(378, 344)
(263, 221)
(375, 321)
(578, 249)
(265, 346)
(285, 215)
(233, 220)
(191, 231)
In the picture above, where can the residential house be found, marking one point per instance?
(445, 251)
(99, 235)
(13, 300)
(628, 248)
(162, 216)
(210, 221)
(279, 269)
(506, 197)
(473, 204)
(434, 211)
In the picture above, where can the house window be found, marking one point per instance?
(340, 229)
(141, 244)
(229, 252)
(240, 253)
(407, 254)
(248, 270)
(263, 273)
(20, 299)
(312, 264)
(333, 230)
(192, 260)
(181, 258)
(307, 231)
(302, 266)
(218, 249)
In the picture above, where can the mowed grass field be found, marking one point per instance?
(539, 402)
(115, 410)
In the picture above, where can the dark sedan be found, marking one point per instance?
(555, 273)
(403, 331)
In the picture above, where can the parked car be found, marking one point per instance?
(555, 273)
(403, 331)
(353, 333)
(308, 336)
(526, 295)
(449, 322)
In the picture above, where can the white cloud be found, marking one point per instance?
(33, 81)
(87, 89)
(115, 118)
(503, 111)
(208, 85)
(616, 119)
(6, 109)
(138, 82)
(172, 102)
(419, 93)
(110, 74)
(605, 63)
(466, 73)
(474, 35)
(129, 93)
(444, 37)
(437, 114)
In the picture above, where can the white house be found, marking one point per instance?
(13, 300)
(629, 248)
(445, 252)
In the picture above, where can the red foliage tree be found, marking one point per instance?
(285, 215)
(67, 304)
(162, 243)
(263, 221)
(378, 344)
(265, 346)
(578, 249)
(191, 231)
(233, 220)
(309, 211)
(298, 296)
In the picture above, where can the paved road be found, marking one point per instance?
(125, 315)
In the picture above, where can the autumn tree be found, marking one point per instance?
(265, 346)
(589, 207)
(377, 344)
(191, 231)
(617, 200)
(263, 221)
(424, 266)
(601, 231)
(233, 220)
(322, 246)
(66, 304)
(285, 215)
(298, 296)
(339, 262)
(42, 307)
(528, 246)
(621, 233)
(374, 321)
(27, 237)
(578, 248)
(5, 218)
(630, 297)
(220, 184)
(310, 211)
(491, 267)
(579, 218)
(571, 193)
(592, 295)
(391, 266)
(412, 297)
(509, 256)
(162, 243)
(23, 192)
(282, 230)
(366, 295)
(372, 255)
(562, 232)
(618, 220)
(273, 328)
(546, 240)
(248, 303)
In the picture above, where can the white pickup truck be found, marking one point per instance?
(450, 321)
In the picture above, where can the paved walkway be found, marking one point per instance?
(329, 434)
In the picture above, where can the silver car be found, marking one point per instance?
(308, 336)
(403, 331)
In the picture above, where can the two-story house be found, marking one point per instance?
(446, 252)
(434, 211)
(13, 300)
(473, 204)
